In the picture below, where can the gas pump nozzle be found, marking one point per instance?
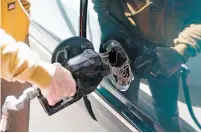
(87, 67)
(78, 56)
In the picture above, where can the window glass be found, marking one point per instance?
(58, 17)
(138, 33)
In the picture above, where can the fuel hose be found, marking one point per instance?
(184, 75)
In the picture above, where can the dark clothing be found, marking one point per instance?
(165, 96)
(171, 23)
(165, 23)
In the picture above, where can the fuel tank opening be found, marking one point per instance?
(114, 55)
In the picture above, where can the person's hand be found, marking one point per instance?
(62, 85)
(160, 62)
(167, 63)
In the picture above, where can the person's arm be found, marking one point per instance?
(16, 89)
(188, 43)
(20, 63)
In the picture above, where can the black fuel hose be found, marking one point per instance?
(184, 75)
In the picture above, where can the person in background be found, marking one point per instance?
(172, 29)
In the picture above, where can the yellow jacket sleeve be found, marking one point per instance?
(20, 63)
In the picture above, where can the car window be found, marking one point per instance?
(58, 17)
(93, 27)
(161, 98)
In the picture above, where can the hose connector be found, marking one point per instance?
(12, 103)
